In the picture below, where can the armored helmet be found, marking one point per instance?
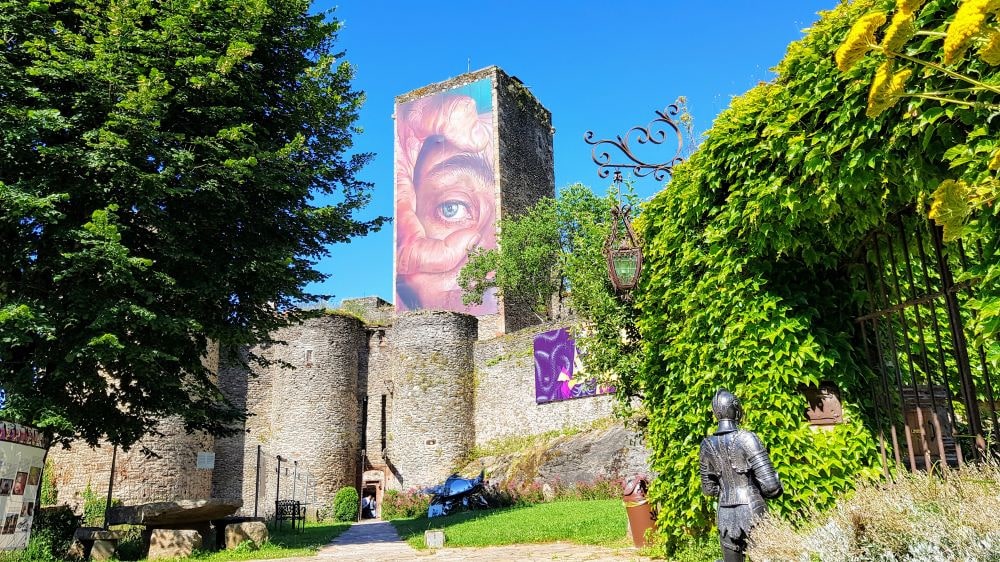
(727, 409)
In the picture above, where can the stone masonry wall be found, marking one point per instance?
(170, 476)
(526, 167)
(430, 428)
(157, 468)
(505, 391)
(375, 384)
(230, 452)
(310, 416)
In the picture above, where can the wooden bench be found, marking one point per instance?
(289, 510)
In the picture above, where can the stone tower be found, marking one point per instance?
(431, 428)
(468, 151)
(308, 415)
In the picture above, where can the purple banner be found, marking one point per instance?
(559, 373)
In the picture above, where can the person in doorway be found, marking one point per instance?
(368, 506)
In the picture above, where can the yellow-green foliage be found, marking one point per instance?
(748, 251)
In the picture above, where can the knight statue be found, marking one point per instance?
(735, 468)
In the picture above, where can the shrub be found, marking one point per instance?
(51, 535)
(532, 492)
(49, 493)
(94, 506)
(599, 489)
(130, 545)
(515, 493)
(402, 505)
(346, 504)
(917, 517)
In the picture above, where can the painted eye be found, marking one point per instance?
(454, 211)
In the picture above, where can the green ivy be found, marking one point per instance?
(94, 506)
(748, 254)
(50, 492)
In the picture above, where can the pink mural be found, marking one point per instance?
(445, 195)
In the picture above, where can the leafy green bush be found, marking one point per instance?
(748, 281)
(94, 506)
(49, 494)
(749, 275)
(51, 535)
(346, 504)
(402, 505)
(130, 545)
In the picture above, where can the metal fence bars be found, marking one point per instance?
(277, 477)
(933, 398)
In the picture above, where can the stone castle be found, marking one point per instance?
(376, 399)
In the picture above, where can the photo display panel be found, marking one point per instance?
(22, 458)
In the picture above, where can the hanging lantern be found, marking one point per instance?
(622, 247)
(622, 251)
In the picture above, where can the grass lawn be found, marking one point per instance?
(598, 522)
(282, 544)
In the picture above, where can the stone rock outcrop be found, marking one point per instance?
(173, 543)
(172, 513)
(609, 454)
(253, 531)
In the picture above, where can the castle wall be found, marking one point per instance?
(172, 475)
(157, 468)
(310, 416)
(430, 428)
(526, 172)
(505, 391)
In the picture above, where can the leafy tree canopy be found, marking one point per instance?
(556, 247)
(158, 163)
(750, 251)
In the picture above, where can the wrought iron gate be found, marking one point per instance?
(933, 397)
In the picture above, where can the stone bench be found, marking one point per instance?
(171, 526)
(95, 543)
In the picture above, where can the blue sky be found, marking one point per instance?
(597, 65)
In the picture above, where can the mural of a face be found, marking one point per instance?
(445, 197)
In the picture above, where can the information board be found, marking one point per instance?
(22, 457)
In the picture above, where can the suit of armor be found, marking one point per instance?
(735, 467)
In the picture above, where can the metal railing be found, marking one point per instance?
(933, 402)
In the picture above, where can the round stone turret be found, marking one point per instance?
(314, 410)
(431, 426)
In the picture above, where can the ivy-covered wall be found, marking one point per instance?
(747, 280)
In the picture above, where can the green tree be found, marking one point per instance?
(557, 246)
(158, 167)
(525, 266)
